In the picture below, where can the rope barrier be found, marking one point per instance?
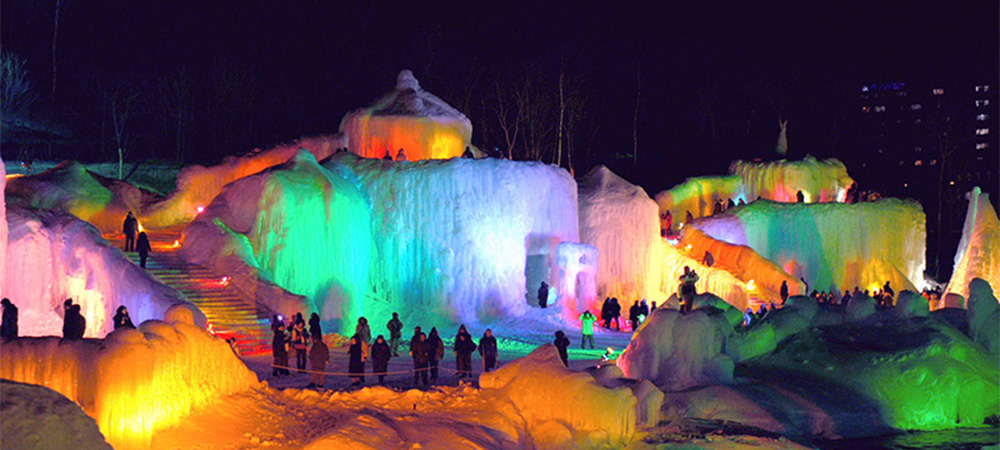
(354, 374)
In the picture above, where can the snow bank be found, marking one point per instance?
(52, 256)
(198, 185)
(135, 381)
(780, 181)
(407, 118)
(744, 263)
(463, 240)
(622, 221)
(38, 417)
(834, 246)
(562, 408)
(678, 351)
(978, 254)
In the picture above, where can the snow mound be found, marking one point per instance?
(984, 316)
(135, 381)
(38, 417)
(834, 246)
(620, 220)
(562, 408)
(678, 351)
(411, 119)
(52, 256)
(978, 254)
(198, 185)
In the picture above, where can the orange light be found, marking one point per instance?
(177, 244)
(224, 281)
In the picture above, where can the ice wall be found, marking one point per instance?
(819, 181)
(407, 118)
(698, 195)
(463, 239)
(978, 254)
(622, 222)
(744, 263)
(135, 381)
(52, 256)
(198, 185)
(833, 245)
(577, 286)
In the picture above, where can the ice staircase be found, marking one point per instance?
(228, 313)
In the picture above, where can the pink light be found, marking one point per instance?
(200, 209)
(224, 281)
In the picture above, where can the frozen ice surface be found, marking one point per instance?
(978, 254)
(834, 246)
(135, 381)
(679, 351)
(622, 222)
(411, 119)
(197, 186)
(52, 256)
(40, 418)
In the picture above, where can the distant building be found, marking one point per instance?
(919, 138)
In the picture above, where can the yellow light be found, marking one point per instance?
(688, 247)
(177, 243)
(751, 285)
(140, 228)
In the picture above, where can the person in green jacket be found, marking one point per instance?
(587, 328)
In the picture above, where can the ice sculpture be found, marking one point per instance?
(978, 254)
(713, 280)
(135, 381)
(834, 246)
(198, 185)
(622, 222)
(577, 266)
(819, 181)
(409, 119)
(52, 256)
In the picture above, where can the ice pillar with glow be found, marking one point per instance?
(577, 286)
(978, 254)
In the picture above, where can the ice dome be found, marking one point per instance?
(407, 118)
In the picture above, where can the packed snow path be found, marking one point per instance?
(228, 313)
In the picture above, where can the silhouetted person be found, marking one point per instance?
(800, 197)
(319, 355)
(129, 228)
(586, 328)
(708, 260)
(435, 351)
(388, 156)
(468, 153)
(643, 311)
(356, 363)
(616, 312)
(315, 329)
(888, 290)
(395, 327)
(688, 289)
(463, 352)
(784, 291)
(8, 327)
(142, 246)
(633, 315)
(300, 342)
(364, 332)
(418, 350)
(606, 313)
(488, 350)
(401, 156)
(543, 295)
(730, 204)
(562, 343)
(74, 324)
(380, 358)
(122, 319)
(279, 349)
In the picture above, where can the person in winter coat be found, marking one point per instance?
(319, 355)
(363, 331)
(616, 312)
(74, 324)
(395, 327)
(279, 349)
(633, 315)
(380, 358)
(300, 342)
(418, 350)
(315, 330)
(463, 352)
(562, 343)
(142, 246)
(587, 329)
(129, 227)
(121, 319)
(435, 352)
(8, 328)
(543, 295)
(606, 313)
(784, 291)
(356, 364)
(488, 350)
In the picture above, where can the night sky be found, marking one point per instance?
(715, 76)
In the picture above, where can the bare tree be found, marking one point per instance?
(55, 39)
(178, 105)
(509, 117)
(120, 101)
(16, 95)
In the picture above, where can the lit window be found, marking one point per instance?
(882, 108)
(915, 106)
(918, 163)
(906, 184)
(938, 91)
(918, 149)
(982, 131)
(981, 145)
(982, 117)
(984, 88)
(866, 109)
(981, 103)
(864, 88)
(933, 162)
